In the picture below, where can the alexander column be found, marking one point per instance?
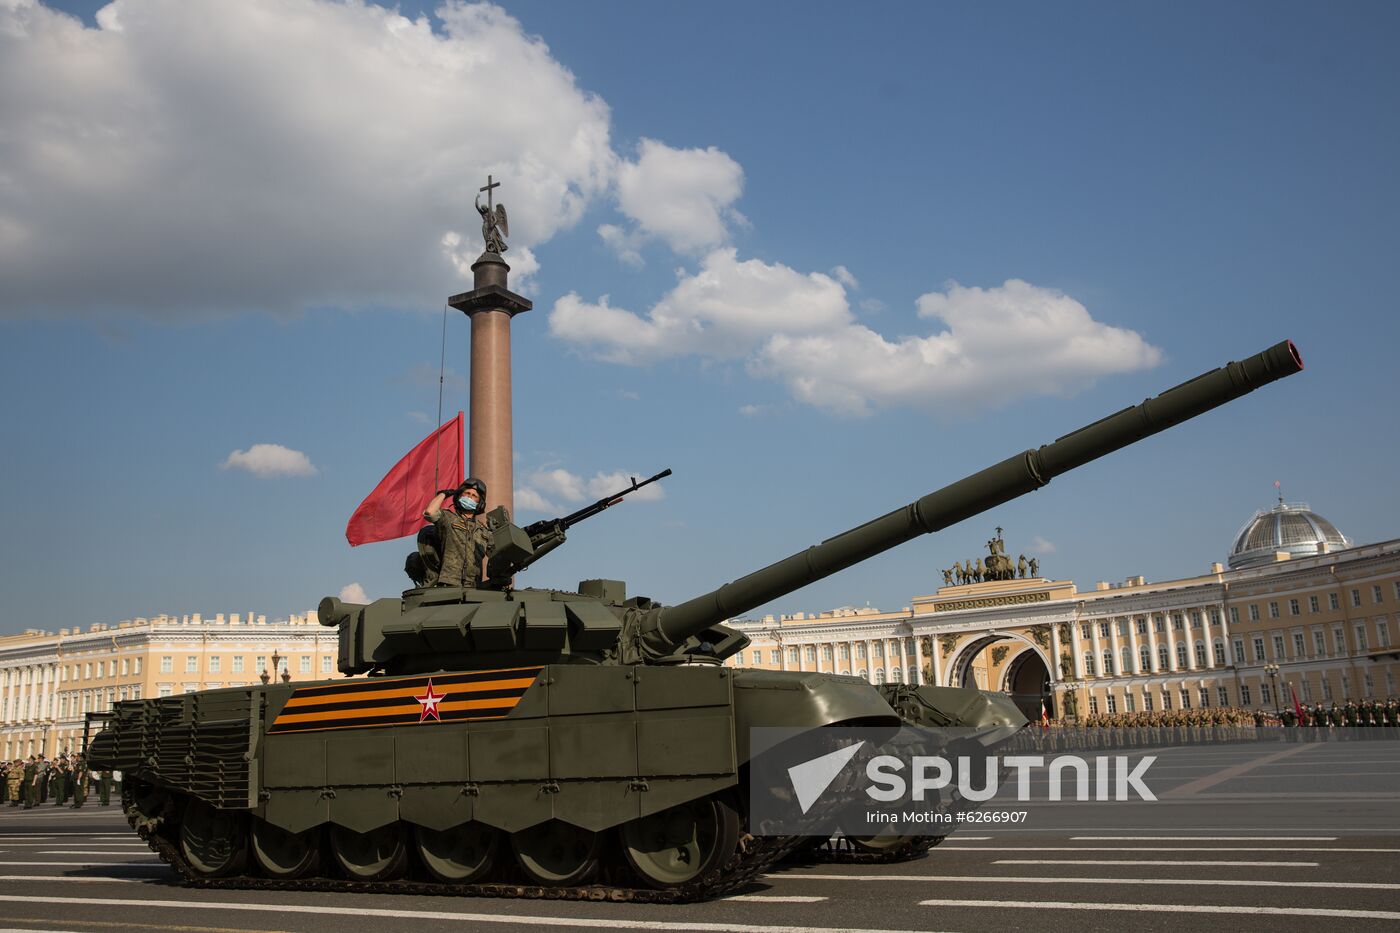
(490, 306)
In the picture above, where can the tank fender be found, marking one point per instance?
(796, 700)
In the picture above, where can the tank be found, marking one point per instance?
(531, 742)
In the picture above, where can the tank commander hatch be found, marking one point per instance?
(451, 551)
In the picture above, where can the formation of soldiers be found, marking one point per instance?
(1366, 714)
(63, 781)
(1348, 721)
(1126, 730)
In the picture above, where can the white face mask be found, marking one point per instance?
(467, 503)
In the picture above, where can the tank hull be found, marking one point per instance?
(587, 748)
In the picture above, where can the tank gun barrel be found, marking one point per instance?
(1013, 477)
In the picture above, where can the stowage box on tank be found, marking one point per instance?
(525, 742)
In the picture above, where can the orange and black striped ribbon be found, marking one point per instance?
(400, 701)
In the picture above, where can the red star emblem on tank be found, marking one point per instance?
(430, 701)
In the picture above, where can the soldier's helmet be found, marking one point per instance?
(471, 482)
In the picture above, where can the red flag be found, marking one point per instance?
(1044, 715)
(1297, 707)
(395, 508)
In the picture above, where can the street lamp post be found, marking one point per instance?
(1272, 671)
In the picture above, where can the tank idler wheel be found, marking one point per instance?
(683, 843)
(556, 853)
(285, 855)
(212, 840)
(886, 843)
(378, 855)
(459, 855)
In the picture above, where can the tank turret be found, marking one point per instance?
(446, 628)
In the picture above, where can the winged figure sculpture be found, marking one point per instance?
(495, 227)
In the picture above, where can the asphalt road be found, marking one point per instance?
(66, 870)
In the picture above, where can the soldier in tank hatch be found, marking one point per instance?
(462, 540)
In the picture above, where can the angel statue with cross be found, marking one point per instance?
(494, 225)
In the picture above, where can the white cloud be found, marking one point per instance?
(270, 460)
(682, 196)
(543, 487)
(558, 483)
(1041, 546)
(605, 484)
(871, 305)
(844, 276)
(723, 311)
(353, 593)
(997, 344)
(753, 411)
(528, 500)
(626, 245)
(420, 417)
(199, 155)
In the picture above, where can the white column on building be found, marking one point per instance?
(1076, 649)
(1171, 641)
(918, 659)
(1098, 647)
(1210, 638)
(44, 688)
(1191, 637)
(1152, 644)
(1133, 646)
(1116, 646)
(782, 653)
(870, 659)
(1230, 659)
(937, 661)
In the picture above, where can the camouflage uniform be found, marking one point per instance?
(14, 782)
(464, 545)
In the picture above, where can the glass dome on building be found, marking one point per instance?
(1288, 526)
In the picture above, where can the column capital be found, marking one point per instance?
(490, 298)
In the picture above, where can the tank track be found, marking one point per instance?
(754, 857)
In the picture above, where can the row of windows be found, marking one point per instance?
(1319, 642)
(1130, 700)
(809, 653)
(167, 664)
(1144, 658)
(1314, 605)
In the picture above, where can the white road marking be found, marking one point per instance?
(947, 848)
(777, 898)
(1204, 838)
(1108, 861)
(65, 833)
(605, 923)
(151, 861)
(1176, 908)
(108, 852)
(105, 879)
(1042, 879)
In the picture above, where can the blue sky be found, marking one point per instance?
(846, 260)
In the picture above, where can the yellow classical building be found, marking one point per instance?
(49, 681)
(1300, 612)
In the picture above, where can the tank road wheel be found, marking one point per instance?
(378, 855)
(285, 855)
(460, 855)
(212, 839)
(556, 853)
(683, 843)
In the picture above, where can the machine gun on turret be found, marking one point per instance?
(514, 548)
